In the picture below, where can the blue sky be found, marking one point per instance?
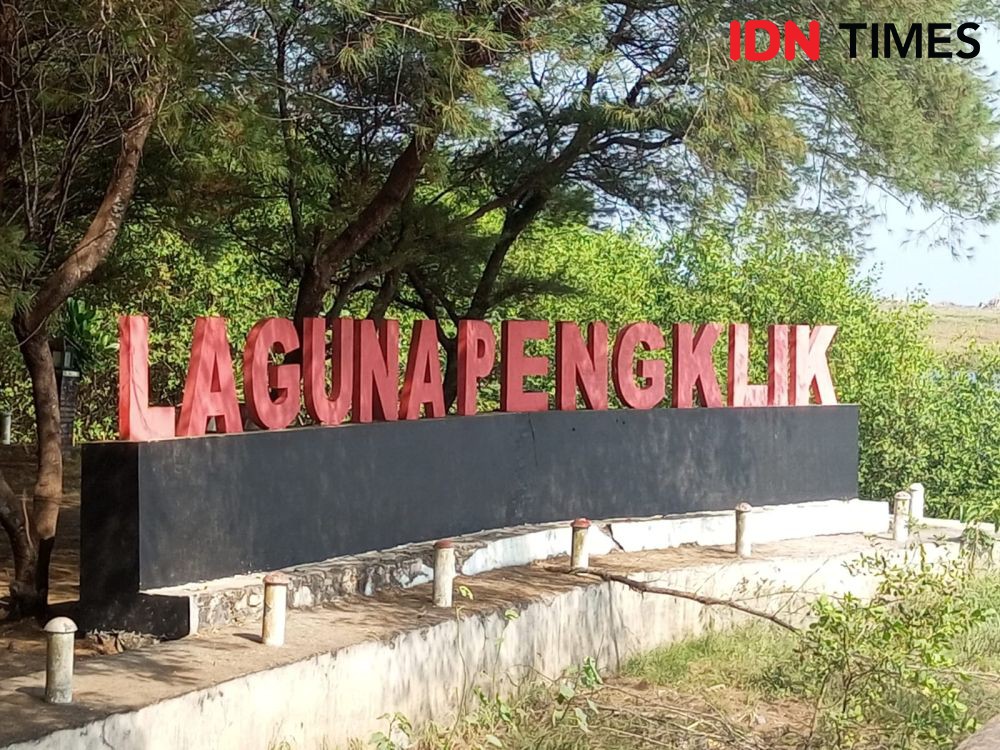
(908, 266)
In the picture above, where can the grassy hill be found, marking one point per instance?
(955, 326)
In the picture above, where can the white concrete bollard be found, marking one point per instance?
(901, 516)
(917, 501)
(60, 633)
(5, 418)
(275, 604)
(444, 572)
(579, 558)
(744, 546)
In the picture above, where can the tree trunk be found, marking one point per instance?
(515, 222)
(30, 595)
(47, 495)
(13, 519)
(450, 346)
(318, 273)
(386, 294)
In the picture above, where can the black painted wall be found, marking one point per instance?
(176, 511)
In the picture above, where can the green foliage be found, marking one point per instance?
(880, 358)
(78, 330)
(912, 667)
(885, 669)
(159, 275)
(397, 735)
(961, 469)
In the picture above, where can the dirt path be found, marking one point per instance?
(21, 642)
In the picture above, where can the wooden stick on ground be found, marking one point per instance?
(646, 588)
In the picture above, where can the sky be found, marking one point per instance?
(908, 267)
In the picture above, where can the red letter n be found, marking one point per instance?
(581, 365)
(376, 371)
(794, 37)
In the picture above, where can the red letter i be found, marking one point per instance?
(734, 40)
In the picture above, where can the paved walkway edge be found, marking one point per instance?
(428, 673)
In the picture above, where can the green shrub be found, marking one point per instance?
(885, 670)
(879, 359)
(924, 417)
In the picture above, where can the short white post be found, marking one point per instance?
(901, 516)
(579, 558)
(275, 603)
(917, 501)
(743, 544)
(444, 572)
(5, 418)
(60, 632)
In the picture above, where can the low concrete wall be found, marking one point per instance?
(329, 694)
(239, 599)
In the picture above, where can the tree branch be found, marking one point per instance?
(400, 181)
(645, 588)
(103, 230)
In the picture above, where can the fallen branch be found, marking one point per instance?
(708, 601)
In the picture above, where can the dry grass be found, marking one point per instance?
(954, 327)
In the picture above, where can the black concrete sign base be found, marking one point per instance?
(177, 511)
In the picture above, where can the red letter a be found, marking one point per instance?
(210, 388)
(422, 383)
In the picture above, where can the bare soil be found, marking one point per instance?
(22, 642)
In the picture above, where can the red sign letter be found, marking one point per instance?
(693, 367)
(795, 38)
(210, 389)
(260, 377)
(137, 420)
(376, 371)
(476, 354)
(810, 369)
(516, 366)
(778, 382)
(750, 29)
(741, 392)
(422, 383)
(581, 365)
(651, 371)
(324, 408)
(735, 40)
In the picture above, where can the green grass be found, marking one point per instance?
(980, 647)
(733, 690)
(750, 657)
